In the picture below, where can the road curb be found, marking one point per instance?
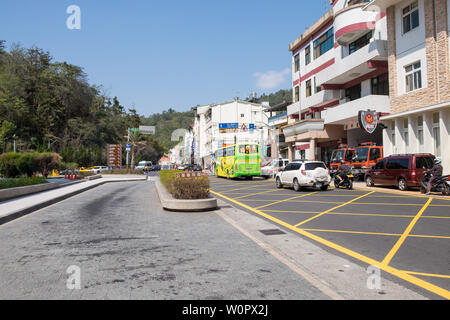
(23, 212)
(170, 203)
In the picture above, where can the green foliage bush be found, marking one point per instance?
(185, 188)
(13, 165)
(21, 182)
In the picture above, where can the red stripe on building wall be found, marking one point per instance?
(317, 70)
(355, 27)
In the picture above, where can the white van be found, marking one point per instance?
(143, 165)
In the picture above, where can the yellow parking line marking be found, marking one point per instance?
(428, 274)
(390, 204)
(378, 233)
(334, 208)
(387, 215)
(398, 192)
(400, 274)
(254, 194)
(353, 232)
(293, 198)
(405, 234)
(287, 211)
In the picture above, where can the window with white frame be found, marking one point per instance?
(410, 17)
(436, 135)
(413, 76)
(406, 134)
(420, 133)
(394, 147)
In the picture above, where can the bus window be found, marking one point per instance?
(248, 149)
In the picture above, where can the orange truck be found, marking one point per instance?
(366, 155)
(343, 152)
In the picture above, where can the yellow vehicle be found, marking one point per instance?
(83, 169)
(241, 160)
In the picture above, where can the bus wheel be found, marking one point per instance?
(228, 175)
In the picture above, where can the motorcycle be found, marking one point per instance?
(441, 184)
(346, 183)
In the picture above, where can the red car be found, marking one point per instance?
(404, 170)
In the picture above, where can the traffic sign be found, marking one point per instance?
(147, 129)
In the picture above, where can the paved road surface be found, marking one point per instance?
(128, 248)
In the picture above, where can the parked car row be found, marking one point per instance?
(401, 170)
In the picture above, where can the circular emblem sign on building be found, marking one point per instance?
(368, 121)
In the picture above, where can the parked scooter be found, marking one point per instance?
(346, 183)
(440, 185)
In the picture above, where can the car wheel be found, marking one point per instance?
(324, 188)
(279, 184)
(369, 181)
(402, 184)
(423, 190)
(296, 185)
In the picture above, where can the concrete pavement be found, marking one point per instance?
(12, 209)
(127, 247)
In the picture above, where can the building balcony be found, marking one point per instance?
(293, 108)
(303, 126)
(348, 111)
(278, 120)
(365, 61)
(352, 22)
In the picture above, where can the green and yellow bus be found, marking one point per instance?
(240, 160)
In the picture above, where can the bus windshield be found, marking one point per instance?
(248, 149)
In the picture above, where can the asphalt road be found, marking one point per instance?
(127, 247)
(407, 236)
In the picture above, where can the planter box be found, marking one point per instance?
(168, 202)
(11, 193)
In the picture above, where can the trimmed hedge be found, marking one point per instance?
(185, 188)
(21, 182)
(14, 165)
(123, 171)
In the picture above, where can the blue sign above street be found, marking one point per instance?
(228, 125)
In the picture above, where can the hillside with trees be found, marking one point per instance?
(47, 105)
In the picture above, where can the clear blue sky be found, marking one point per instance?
(160, 54)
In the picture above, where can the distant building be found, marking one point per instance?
(219, 125)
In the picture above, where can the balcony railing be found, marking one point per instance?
(278, 119)
(303, 126)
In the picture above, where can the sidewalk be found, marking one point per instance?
(15, 208)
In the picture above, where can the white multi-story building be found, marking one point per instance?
(339, 67)
(419, 76)
(219, 125)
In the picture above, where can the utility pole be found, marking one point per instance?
(128, 152)
(14, 137)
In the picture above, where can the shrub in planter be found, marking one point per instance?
(21, 182)
(189, 188)
(123, 171)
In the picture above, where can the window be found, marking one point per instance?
(380, 85)
(314, 165)
(398, 163)
(436, 134)
(380, 165)
(297, 94)
(297, 63)
(375, 154)
(308, 88)
(316, 87)
(296, 166)
(353, 93)
(242, 115)
(413, 76)
(424, 163)
(230, 151)
(324, 43)
(307, 55)
(359, 43)
(349, 155)
(420, 133)
(410, 17)
(406, 133)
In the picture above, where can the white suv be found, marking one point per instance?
(304, 173)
